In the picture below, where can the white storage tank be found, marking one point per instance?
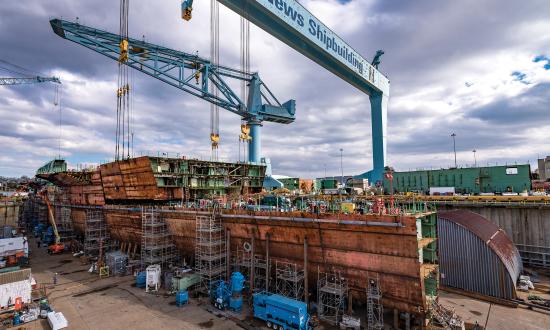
(153, 274)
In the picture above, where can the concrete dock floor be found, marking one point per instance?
(89, 302)
(493, 316)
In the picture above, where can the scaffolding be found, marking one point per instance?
(157, 247)
(35, 212)
(261, 272)
(210, 253)
(289, 280)
(96, 235)
(63, 218)
(375, 318)
(242, 262)
(332, 291)
(28, 211)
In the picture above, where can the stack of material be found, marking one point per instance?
(349, 322)
(445, 317)
(117, 262)
(525, 284)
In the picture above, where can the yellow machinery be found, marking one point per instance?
(56, 247)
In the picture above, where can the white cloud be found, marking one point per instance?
(433, 49)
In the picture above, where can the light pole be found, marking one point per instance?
(475, 160)
(342, 165)
(454, 146)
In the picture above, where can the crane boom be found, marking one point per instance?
(293, 24)
(191, 74)
(28, 80)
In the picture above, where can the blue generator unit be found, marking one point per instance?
(280, 312)
(228, 295)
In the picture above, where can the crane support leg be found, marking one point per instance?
(255, 145)
(379, 118)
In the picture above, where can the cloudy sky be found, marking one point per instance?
(476, 68)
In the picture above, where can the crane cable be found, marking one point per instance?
(122, 149)
(19, 70)
(57, 102)
(215, 58)
(244, 137)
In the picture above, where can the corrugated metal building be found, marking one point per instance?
(473, 180)
(476, 255)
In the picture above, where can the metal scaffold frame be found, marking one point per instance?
(375, 319)
(210, 250)
(35, 212)
(242, 262)
(261, 272)
(332, 291)
(96, 235)
(63, 218)
(156, 242)
(289, 280)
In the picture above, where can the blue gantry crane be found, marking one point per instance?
(189, 73)
(290, 22)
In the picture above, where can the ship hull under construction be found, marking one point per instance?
(358, 247)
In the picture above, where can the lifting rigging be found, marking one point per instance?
(215, 58)
(244, 137)
(123, 134)
(189, 73)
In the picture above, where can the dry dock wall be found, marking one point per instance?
(524, 225)
(528, 227)
(9, 214)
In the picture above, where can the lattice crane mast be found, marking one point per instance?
(192, 74)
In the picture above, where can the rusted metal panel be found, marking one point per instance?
(78, 217)
(357, 251)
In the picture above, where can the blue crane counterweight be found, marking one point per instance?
(191, 74)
